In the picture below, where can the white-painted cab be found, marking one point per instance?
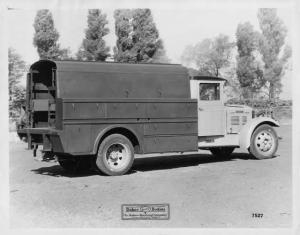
(221, 128)
(211, 109)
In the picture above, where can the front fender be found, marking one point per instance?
(247, 130)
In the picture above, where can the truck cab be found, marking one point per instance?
(222, 128)
(211, 109)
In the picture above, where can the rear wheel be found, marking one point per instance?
(264, 142)
(222, 152)
(115, 155)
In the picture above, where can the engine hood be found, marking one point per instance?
(238, 107)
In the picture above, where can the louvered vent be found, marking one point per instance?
(235, 120)
(244, 120)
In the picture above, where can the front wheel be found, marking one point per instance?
(264, 142)
(115, 155)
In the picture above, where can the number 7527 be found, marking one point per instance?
(257, 215)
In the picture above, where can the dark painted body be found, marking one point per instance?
(72, 106)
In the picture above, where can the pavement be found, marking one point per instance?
(202, 191)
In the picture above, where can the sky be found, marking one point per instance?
(179, 24)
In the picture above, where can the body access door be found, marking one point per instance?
(41, 94)
(211, 110)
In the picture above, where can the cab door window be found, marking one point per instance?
(209, 91)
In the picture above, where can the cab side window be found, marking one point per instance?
(209, 91)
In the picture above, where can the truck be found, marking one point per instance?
(100, 114)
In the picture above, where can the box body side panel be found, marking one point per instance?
(170, 126)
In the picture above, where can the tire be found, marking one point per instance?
(222, 152)
(264, 142)
(115, 155)
(76, 165)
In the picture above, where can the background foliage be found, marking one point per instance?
(93, 46)
(249, 69)
(272, 41)
(137, 37)
(210, 55)
(16, 69)
(261, 57)
(46, 37)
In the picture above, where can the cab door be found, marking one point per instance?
(211, 110)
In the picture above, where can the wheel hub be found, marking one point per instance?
(114, 156)
(264, 141)
(117, 156)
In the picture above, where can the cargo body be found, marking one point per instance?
(72, 105)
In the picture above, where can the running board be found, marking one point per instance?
(231, 140)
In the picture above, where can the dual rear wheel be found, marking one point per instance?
(115, 157)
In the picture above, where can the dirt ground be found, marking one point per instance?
(201, 190)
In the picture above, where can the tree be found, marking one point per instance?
(16, 69)
(93, 47)
(209, 55)
(249, 71)
(137, 37)
(46, 37)
(146, 42)
(273, 34)
(160, 55)
(123, 29)
(232, 88)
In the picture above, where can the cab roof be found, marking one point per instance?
(208, 78)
